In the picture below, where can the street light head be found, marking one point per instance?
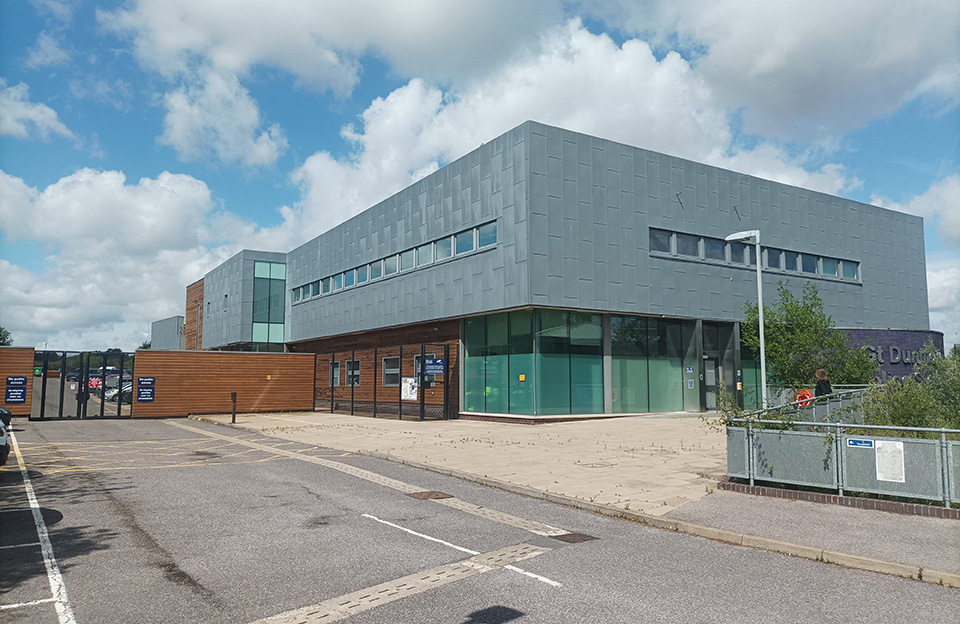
(744, 236)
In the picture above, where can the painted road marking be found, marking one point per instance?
(59, 590)
(20, 545)
(532, 526)
(347, 605)
(462, 549)
(26, 604)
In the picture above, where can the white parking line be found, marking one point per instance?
(18, 605)
(462, 549)
(59, 590)
(20, 545)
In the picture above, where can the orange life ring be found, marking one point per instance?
(803, 397)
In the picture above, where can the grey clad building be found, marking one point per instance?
(567, 274)
(167, 334)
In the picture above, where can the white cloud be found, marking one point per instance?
(623, 93)
(61, 10)
(46, 53)
(215, 116)
(116, 93)
(124, 253)
(939, 204)
(943, 294)
(809, 67)
(21, 118)
(320, 42)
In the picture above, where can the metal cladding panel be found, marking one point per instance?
(167, 334)
(233, 323)
(488, 184)
(590, 220)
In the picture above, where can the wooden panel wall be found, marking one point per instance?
(16, 362)
(200, 382)
(192, 323)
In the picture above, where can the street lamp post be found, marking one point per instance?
(753, 236)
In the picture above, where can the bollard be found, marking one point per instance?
(233, 419)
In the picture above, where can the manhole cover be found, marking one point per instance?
(429, 495)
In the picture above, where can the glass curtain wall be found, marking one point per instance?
(550, 362)
(269, 288)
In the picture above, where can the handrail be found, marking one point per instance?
(809, 403)
(800, 423)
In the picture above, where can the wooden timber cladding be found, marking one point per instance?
(17, 362)
(193, 321)
(388, 344)
(200, 382)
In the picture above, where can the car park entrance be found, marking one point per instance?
(82, 384)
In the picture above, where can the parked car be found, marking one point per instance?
(126, 394)
(111, 393)
(4, 443)
(5, 416)
(114, 378)
(74, 375)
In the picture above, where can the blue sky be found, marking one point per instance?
(143, 142)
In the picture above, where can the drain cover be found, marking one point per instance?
(429, 495)
(574, 538)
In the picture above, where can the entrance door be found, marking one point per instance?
(711, 380)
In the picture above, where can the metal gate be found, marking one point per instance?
(82, 384)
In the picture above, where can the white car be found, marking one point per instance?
(111, 393)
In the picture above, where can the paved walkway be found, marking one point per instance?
(659, 470)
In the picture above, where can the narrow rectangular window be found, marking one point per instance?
(338, 281)
(831, 266)
(791, 260)
(296, 294)
(391, 371)
(738, 253)
(850, 269)
(425, 254)
(362, 274)
(407, 260)
(487, 235)
(376, 269)
(348, 278)
(444, 249)
(353, 373)
(659, 240)
(808, 263)
(687, 245)
(773, 258)
(225, 303)
(464, 242)
(327, 283)
(390, 265)
(714, 248)
(335, 373)
(315, 289)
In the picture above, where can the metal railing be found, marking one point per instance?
(842, 403)
(847, 457)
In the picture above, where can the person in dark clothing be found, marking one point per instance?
(823, 384)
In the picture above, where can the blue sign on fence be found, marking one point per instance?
(16, 395)
(434, 366)
(145, 394)
(16, 381)
(855, 442)
(145, 381)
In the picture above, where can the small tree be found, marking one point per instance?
(5, 338)
(800, 338)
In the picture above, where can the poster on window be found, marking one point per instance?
(408, 389)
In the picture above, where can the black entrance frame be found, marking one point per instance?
(57, 367)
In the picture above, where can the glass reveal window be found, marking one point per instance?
(338, 281)
(425, 254)
(659, 240)
(261, 269)
(335, 373)
(444, 248)
(464, 242)
(361, 274)
(348, 278)
(407, 260)
(808, 263)
(296, 294)
(391, 371)
(688, 245)
(738, 253)
(390, 265)
(791, 261)
(327, 284)
(830, 266)
(773, 258)
(316, 288)
(487, 235)
(376, 269)
(714, 249)
(353, 373)
(851, 270)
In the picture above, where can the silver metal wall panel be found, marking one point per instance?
(922, 468)
(167, 334)
(799, 457)
(231, 323)
(487, 184)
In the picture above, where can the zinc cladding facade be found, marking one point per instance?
(228, 301)
(167, 334)
(573, 217)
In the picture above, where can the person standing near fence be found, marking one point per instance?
(823, 383)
